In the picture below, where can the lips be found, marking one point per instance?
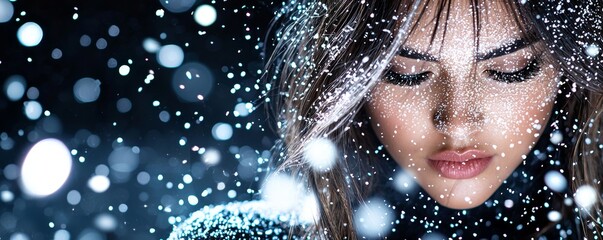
(457, 165)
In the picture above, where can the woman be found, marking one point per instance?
(492, 107)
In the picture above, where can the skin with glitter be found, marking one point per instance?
(461, 116)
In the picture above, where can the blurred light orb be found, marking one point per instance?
(192, 82)
(32, 109)
(170, 56)
(151, 45)
(193, 200)
(85, 40)
(177, 6)
(555, 181)
(62, 234)
(211, 157)
(18, 236)
(554, 216)
(556, 137)
(321, 154)
(7, 196)
(105, 222)
(221, 131)
(30, 34)
(242, 109)
(86, 90)
(404, 181)
(56, 54)
(124, 105)
(592, 50)
(74, 197)
(123, 159)
(281, 192)
(99, 183)
(205, 15)
(14, 87)
(124, 70)
(373, 219)
(585, 196)
(45, 168)
(6, 11)
(113, 31)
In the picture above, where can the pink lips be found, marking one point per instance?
(455, 165)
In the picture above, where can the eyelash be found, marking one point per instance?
(522, 75)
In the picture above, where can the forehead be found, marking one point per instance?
(453, 24)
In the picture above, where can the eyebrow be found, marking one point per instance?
(505, 49)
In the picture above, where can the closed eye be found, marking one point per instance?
(405, 79)
(522, 75)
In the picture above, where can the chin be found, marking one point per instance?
(461, 194)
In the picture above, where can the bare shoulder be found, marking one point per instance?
(241, 220)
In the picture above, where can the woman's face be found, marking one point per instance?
(462, 116)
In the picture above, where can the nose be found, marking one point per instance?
(458, 109)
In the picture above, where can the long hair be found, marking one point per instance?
(329, 54)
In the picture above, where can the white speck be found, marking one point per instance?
(555, 181)
(221, 131)
(592, 50)
(151, 45)
(124, 70)
(321, 154)
(205, 15)
(86, 90)
(14, 87)
(99, 183)
(6, 11)
(170, 56)
(585, 196)
(373, 219)
(30, 34)
(554, 216)
(45, 168)
(159, 13)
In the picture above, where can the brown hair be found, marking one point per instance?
(329, 54)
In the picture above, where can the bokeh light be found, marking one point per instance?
(45, 168)
(87, 90)
(30, 34)
(177, 6)
(14, 87)
(205, 15)
(6, 11)
(170, 56)
(192, 82)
